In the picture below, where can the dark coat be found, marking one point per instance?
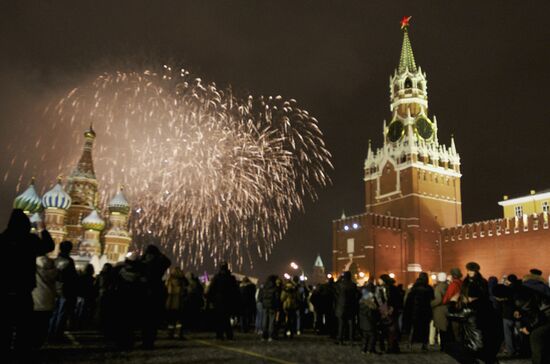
(21, 248)
(418, 311)
(270, 296)
(347, 297)
(439, 310)
(248, 300)
(67, 277)
(223, 293)
(369, 315)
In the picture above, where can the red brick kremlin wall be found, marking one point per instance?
(501, 246)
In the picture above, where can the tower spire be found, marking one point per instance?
(85, 166)
(406, 60)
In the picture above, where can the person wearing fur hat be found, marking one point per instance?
(474, 278)
(439, 309)
(534, 280)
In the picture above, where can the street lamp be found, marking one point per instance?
(295, 266)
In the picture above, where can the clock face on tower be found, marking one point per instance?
(424, 128)
(395, 131)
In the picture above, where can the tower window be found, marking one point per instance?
(545, 207)
(421, 85)
(518, 211)
(408, 83)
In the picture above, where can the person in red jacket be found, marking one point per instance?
(454, 287)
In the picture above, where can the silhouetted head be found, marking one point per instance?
(423, 278)
(89, 270)
(512, 278)
(472, 268)
(224, 267)
(107, 268)
(245, 279)
(19, 223)
(65, 247)
(456, 273)
(346, 276)
(152, 250)
(296, 279)
(384, 279)
(536, 272)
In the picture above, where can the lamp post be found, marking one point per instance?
(295, 266)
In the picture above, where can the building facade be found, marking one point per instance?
(73, 213)
(412, 191)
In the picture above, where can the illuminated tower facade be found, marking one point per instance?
(117, 238)
(92, 225)
(82, 188)
(412, 176)
(56, 202)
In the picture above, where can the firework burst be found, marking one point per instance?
(209, 173)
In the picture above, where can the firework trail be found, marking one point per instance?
(208, 173)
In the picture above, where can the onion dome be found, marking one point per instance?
(28, 201)
(56, 197)
(119, 203)
(93, 221)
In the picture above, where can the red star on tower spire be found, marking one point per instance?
(405, 22)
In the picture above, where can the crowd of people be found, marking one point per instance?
(470, 318)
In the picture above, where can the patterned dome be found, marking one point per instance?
(119, 203)
(56, 197)
(28, 201)
(93, 221)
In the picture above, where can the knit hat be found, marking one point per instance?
(473, 267)
(536, 272)
(441, 277)
(456, 273)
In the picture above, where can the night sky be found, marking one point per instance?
(487, 64)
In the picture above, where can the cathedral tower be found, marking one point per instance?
(117, 238)
(56, 202)
(413, 176)
(82, 188)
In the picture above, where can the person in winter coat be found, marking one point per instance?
(347, 297)
(271, 301)
(453, 290)
(418, 311)
(105, 284)
(439, 310)
(390, 303)
(534, 314)
(66, 286)
(155, 265)
(223, 296)
(43, 296)
(479, 334)
(289, 302)
(247, 292)
(176, 289)
(128, 300)
(505, 297)
(86, 298)
(18, 271)
(474, 278)
(534, 280)
(369, 317)
(193, 302)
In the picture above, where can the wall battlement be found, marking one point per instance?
(497, 227)
(370, 219)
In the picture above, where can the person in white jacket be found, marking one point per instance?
(43, 295)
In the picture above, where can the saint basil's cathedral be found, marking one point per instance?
(413, 208)
(71, 213)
